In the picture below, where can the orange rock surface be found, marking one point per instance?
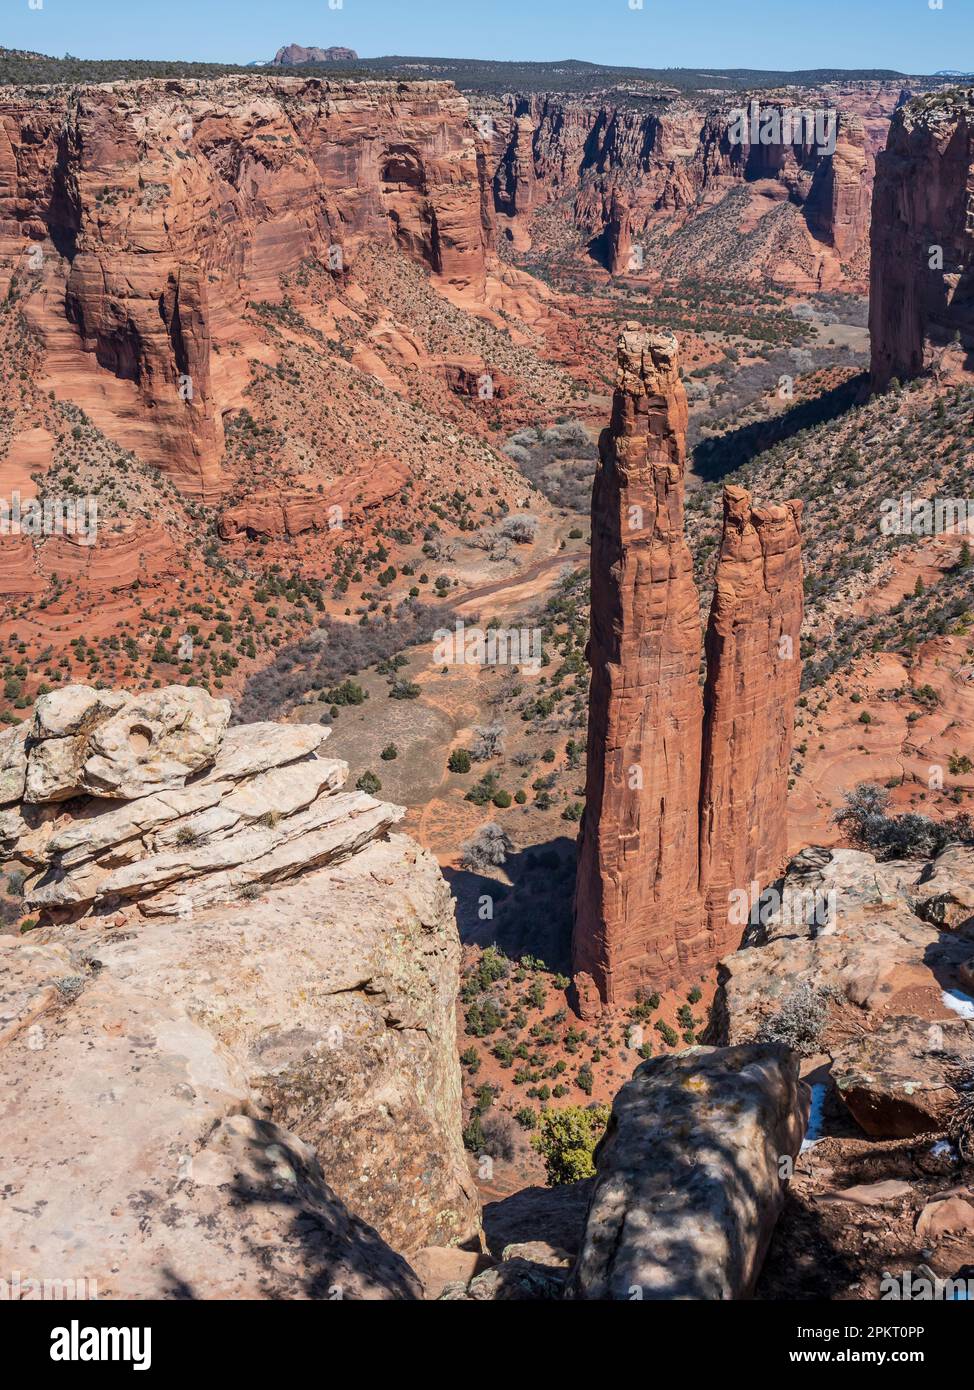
(753, 679)
(637, 907)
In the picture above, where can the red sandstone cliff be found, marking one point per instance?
(637, 911)
(682, 806)
(753, 679)
(628, 169)
(163, 207)
(922, 294)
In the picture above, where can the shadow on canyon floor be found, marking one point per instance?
(714, 458)
(530, 916)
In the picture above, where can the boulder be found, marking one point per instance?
(118, 746)
(944, 893)
(689, 1184)
(897, 1081)
(951, 1217)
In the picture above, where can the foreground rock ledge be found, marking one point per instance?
(688, 1186)
(227, 1055)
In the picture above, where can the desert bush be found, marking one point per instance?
(566, 1140)
(488, 742)
(800, 1020)
(520, 529)
(334, 651)
(864, 820)
(499, 1130)
(488, 848)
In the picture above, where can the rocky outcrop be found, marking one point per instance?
(294, 54)
(161, 209)
(921, 306)
(637, 911)
(688, 1184)
(848, 924)
(515, 183)
(264, 980)
(753, 679)
(847, 955)
(838, 202)
(681, 807)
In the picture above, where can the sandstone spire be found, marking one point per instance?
(753, 678)
(637, 905)
(680, 808)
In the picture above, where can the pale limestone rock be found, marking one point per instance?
(688, 1184)
(214, 866)
(156, 741)
(847, 923)
(109, 744)
(13, 763)
(73, 709)
(328, 1008)
(141, 1170)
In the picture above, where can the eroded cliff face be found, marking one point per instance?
(629, 169)
(921, 307)
(682, 806)
(153, 212)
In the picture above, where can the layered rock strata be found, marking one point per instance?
(263, 979)
(152, 210)
(627, 169)
(683, 805)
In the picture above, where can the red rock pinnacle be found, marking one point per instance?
(679, 810)
(753, 678)
(636, 898)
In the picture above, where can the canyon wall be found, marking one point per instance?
(146, 215)
(921, 308)
(628, 169)
(685, 798)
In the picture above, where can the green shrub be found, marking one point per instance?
(566, 1140)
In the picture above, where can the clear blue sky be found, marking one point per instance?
(902, 34)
